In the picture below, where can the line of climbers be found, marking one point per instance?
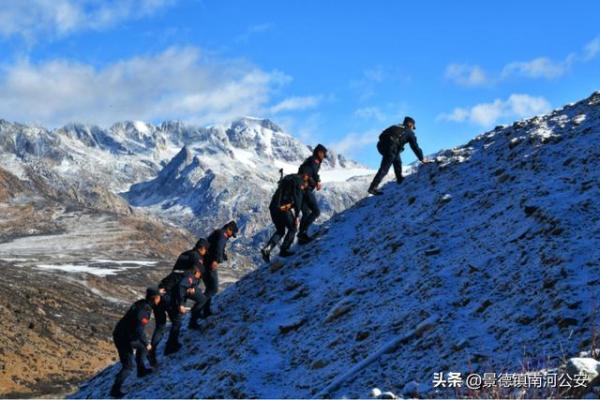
(168, 300)
(294, 196)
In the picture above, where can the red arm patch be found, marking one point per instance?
(145, 321)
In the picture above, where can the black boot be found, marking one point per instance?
(400, 180)
(116, 392)
(286, 253)
(142, 372)
(266, 254)
(152, 358)
(194, 325)
(172, 348)
(375, 192)
(303, 238)
(207, 312)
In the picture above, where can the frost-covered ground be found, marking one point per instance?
(496, 246)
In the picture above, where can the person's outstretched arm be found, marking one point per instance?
(412, 141)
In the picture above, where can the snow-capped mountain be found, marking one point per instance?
(485, 261)
(231, 174)
(196, 178)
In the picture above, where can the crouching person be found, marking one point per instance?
(130, 336)
(178, 288)
(188, 262)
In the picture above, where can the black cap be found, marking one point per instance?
(151, 292)
(320, 147)
(201, 243)
(233, 226)
(411, 120)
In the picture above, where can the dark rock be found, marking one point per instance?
(529, 210)
(291, 326)
(566, 322)
(276, 266)
(319, 364)
(484, 306)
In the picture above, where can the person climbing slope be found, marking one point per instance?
(215, 256)
(178, 292)
(129, 336)
(391, 143)
(310, 207)
(285, 208)
(185, 267)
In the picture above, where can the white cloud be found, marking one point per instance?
(391, 112)
(370, 113)
(252, 31)
(486, 114)
(176, 84)
(351, 144)
(375, 74)
(372, 78)
(592, 49)
(466, 75)
(540, 67)
(296, 103)
(31, 19)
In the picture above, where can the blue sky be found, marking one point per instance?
(332, 72)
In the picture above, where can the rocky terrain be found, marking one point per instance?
(68, 270)
(91, 216)
(485, 261)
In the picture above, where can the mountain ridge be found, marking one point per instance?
(499, 238)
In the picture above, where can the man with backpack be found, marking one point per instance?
(129, 337)
(181, 284)
(310, 207)
(391, 143)
(285, 208)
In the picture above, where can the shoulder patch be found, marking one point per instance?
(145, 321)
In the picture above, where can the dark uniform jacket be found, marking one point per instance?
(289, 191)
(187, 261)
(393, 139)
(179, 292)
(216, 249)
(311, 167)
(131, 326)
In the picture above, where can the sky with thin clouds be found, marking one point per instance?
(331, 72)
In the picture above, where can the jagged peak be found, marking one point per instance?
(247, 121)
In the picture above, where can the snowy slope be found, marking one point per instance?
(496, 247)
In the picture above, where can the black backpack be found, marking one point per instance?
(389, 138)
(170, 281)
(283, 189)
(186, 261)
